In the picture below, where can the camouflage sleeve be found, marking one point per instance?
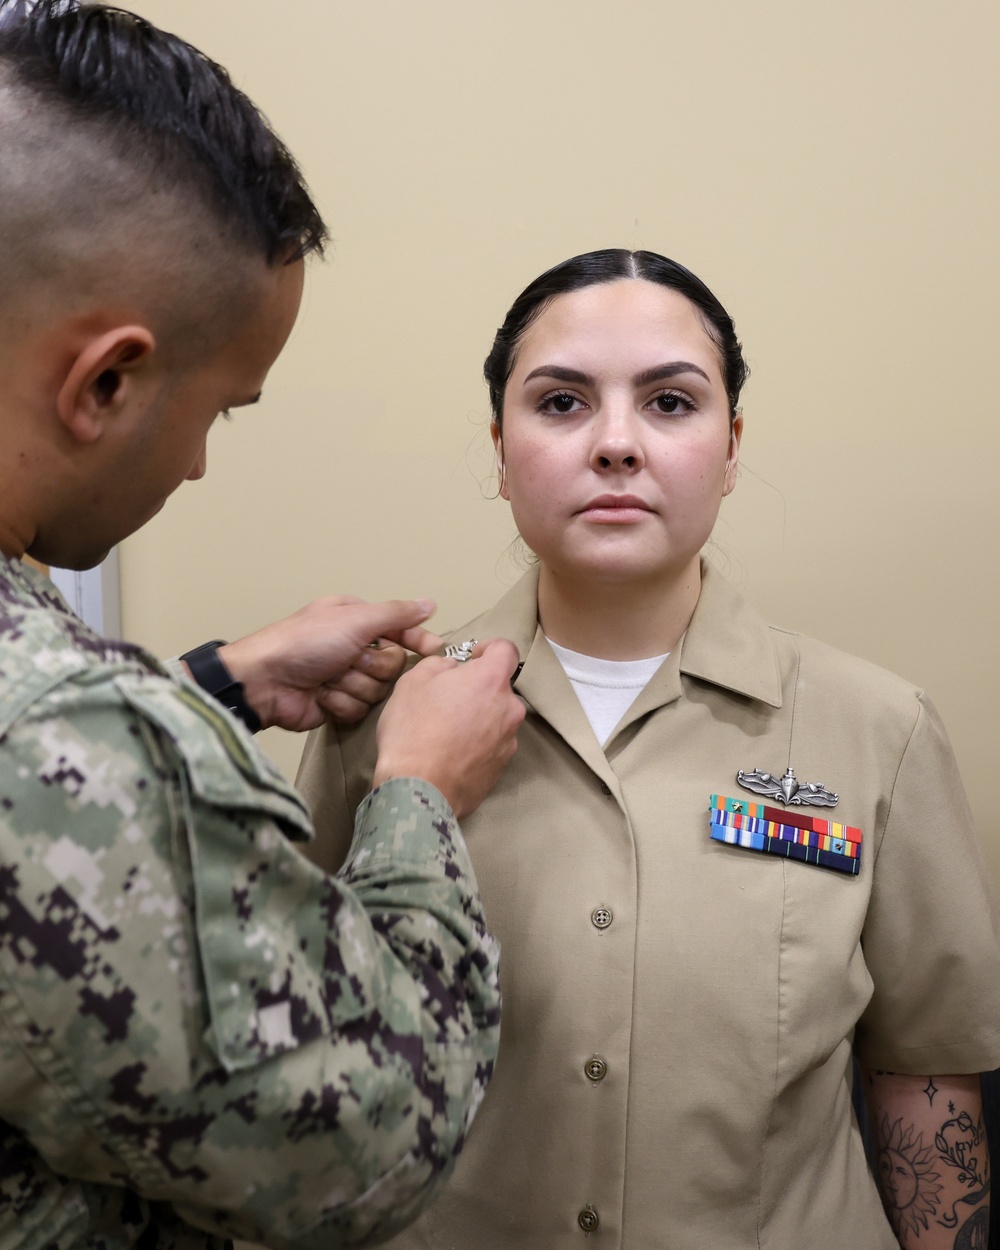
(192, 1011)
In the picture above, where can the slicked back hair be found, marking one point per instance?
(611, 265)
(165, 109)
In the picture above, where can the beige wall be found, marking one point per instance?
(831, 170)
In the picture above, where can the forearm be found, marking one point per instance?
(383, 1104)
(405, 867)
(932, 1158)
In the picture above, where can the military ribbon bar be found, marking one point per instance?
(795, 835)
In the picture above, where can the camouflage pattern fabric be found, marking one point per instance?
(201, 1034)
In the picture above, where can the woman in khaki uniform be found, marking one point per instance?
(725, 858)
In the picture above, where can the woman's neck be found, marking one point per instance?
(615, 620)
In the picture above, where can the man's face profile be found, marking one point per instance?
(156, 439)
(147, 216)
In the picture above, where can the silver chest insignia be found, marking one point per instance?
(787, 789)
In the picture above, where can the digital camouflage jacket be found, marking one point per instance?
(201, 1034)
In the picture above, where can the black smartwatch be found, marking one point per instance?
(215, 679)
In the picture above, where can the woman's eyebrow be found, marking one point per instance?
(560, 373)
(660, 372)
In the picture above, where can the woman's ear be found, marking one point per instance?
(99, 383)
(501, 470)
(733, 460)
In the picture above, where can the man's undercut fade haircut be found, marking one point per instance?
(169, 112)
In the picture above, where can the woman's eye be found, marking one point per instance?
(672, 404)
(559, 404)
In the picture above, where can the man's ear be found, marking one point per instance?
(98, 384)
(501, 471)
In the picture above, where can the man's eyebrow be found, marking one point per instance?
(245, 403)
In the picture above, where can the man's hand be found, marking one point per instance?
(454, 725)
(318, 664)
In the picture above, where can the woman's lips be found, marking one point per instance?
(615, 510)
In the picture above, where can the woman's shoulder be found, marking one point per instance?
(730, 642)
(843, 673)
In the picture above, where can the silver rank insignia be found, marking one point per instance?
(787, 789)
(461, 651)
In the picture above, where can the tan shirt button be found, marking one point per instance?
(601, 917)
(588, 1219)
(596, 1068)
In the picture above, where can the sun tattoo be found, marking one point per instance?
(909, 1183)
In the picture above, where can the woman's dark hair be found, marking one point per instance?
(166, 109)
(609, 265)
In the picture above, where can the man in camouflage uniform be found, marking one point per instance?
(201, 1034)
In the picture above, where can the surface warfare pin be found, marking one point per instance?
(787, 789)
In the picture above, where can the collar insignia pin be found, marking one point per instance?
(787, 789)
(461, 651)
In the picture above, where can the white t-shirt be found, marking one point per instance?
(606, 688)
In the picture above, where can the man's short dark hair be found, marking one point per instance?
(168, 110)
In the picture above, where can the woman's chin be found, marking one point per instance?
(621, 570)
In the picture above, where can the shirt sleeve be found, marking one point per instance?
(931, 936)
(196, 1013)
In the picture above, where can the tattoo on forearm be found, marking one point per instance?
(975, 1232)
(961, 1144)
(910, 1187)
(918, 1180)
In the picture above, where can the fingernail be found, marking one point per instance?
(426, 605)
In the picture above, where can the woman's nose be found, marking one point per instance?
(617, 441)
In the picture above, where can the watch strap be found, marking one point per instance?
(209, 671)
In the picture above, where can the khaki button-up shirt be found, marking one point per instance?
(679, 1014)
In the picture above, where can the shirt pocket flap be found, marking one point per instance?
(222, 764)
(282, 945)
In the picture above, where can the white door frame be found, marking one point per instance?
(94, 594)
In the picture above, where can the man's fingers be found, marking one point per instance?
(453, 723)
(361, 686)
(341, 707)
(389, 619)
(384, 663)
(499, 653)
(421, 641)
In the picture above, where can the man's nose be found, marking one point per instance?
(200, 465)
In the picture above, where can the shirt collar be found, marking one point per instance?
(727, 642)
(515, 617)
